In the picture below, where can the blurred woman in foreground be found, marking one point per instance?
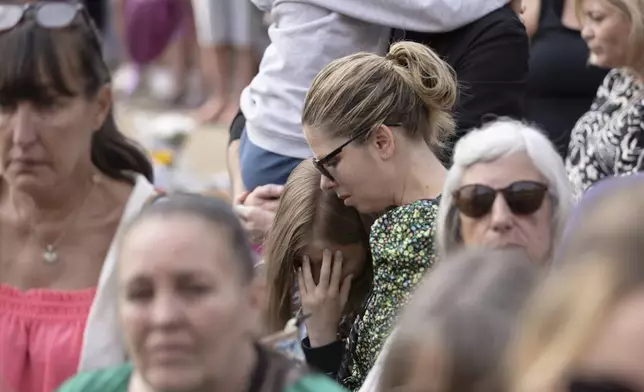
(583, 329)
(453, 334)
(192, 326)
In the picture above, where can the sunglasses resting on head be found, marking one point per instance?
(48, 15)
(521, 197)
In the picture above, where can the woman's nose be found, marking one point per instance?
(501, 215)
(166, 311)
(23, 128)
(587, 32)
(326, 183)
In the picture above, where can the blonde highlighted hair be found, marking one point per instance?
(411, 86)
(634, 11)
(601, 266)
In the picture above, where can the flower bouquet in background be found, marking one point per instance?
(165, 137)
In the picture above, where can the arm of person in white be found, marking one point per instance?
(429, 16)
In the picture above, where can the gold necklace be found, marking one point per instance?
(50, 254)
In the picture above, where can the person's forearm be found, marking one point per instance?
(234, 170)
(326, 359)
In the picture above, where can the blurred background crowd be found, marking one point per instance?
(322, 195)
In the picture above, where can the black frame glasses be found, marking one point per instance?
(320, 164)
(522, 198)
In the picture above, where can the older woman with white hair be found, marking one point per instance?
(507, 188)
(516, 161)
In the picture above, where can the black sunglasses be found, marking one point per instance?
(321, 163)
(522, 197)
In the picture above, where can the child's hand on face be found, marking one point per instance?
(325, 301)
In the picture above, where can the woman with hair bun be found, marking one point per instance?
(376, 125)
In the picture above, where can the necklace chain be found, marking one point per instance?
(50, 254)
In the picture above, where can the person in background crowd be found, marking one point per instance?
(453, 334)
(192, 326)
(69, 181)
(97, 10)
(373, 124)
(317, 244)
(148, 29)
(506, 188)
(490, 57)
(609, 139)
(583, 329)
(273, 143)
(228, 33)
(561, 85)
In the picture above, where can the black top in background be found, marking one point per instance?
(561, 85)
(490, 57)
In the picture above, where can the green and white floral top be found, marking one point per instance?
(402, 245)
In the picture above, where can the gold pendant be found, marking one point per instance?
(50, 256)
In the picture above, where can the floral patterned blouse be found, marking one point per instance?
(609, 139)
(402, 245)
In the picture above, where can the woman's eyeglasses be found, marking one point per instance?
(49, 15)
(522, 197)
(322, 163)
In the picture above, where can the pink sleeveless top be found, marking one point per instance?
(41, 336)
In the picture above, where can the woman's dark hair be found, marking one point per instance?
(213, 211)
(41, 65)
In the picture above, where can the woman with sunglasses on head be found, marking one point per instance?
(69, 181)
(192, 326)
(374, 124)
